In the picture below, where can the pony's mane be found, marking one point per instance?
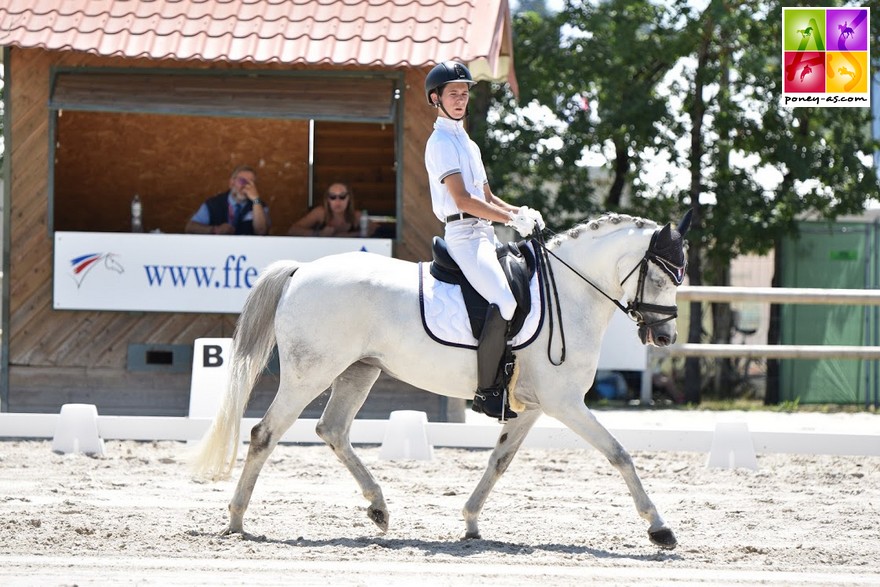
(603, 224)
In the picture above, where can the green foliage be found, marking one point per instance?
(634, 63)
(528, 161)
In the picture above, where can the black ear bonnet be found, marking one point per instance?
(667, 249)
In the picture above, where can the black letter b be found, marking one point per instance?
(211, 356)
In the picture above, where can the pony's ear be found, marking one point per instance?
(685, 223)
(664, 238)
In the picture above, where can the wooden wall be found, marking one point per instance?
(58, 357)
(419, 223)
(361, 154)
(174, 163)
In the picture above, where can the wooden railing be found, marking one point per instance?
(776, 295)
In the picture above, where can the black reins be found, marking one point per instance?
(634, 309)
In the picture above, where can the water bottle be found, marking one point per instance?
(365, 224)
(137, 223)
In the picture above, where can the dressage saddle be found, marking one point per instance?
(518, 263)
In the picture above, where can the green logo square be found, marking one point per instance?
(803, 29)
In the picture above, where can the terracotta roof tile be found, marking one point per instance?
(393, 33)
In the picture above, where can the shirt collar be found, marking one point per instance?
(449, 124)
(232, 200)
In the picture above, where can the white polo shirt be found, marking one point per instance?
(450, 150)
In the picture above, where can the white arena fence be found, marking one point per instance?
(699, 436)
(775, 295)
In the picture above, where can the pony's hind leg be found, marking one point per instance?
(509, 441)
(285, 409)
(349, 391)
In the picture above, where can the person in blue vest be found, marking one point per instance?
(236, 211)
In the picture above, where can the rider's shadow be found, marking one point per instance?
(460, 548)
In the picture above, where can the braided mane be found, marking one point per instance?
(605, 223)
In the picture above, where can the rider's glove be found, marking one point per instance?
(522, 223)
(532, 213)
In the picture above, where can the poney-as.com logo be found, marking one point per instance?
(826, 57)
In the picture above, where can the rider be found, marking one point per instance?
(462, 199)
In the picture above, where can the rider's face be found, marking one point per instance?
(455, 98)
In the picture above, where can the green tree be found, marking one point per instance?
(584, 94)
(821, 154)
(531, 146)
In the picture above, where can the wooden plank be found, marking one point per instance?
(770, 351)
(780, 295)
(256, 95)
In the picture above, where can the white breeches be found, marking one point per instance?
(471, 244)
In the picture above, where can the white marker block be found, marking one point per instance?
(77, 430)
(406, 437)
(732, 447)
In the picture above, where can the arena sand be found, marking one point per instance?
(557, 517)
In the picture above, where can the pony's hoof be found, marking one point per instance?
(379, 517)
(230, 530)
(475, 535)
(664, 538)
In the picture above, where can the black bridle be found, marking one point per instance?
(635, 309)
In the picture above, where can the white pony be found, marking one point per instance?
(341, 320)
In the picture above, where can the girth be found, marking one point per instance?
(518, 263)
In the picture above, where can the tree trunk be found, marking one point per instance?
(722, 319)
(621, 167)
(692, 378)
(774, 333)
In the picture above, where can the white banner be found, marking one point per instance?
(177, 272)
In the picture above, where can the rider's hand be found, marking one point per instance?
(524, 225)
(534, 214)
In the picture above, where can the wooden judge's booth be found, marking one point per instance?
(92, 120)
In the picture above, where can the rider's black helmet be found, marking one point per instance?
(444, 73)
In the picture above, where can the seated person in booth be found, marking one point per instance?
(236, 211)
(336, 216)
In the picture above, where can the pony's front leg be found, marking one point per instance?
(509, 441)
(582, 421)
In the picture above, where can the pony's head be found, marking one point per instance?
(660, 271)
(643, 263)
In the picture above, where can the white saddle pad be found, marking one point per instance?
(445, 316)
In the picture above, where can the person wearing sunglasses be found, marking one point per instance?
(336, 216)
(239, 210)
(463, 201)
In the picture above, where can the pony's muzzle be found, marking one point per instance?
(656, 337)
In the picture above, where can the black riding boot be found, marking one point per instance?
(494, 367)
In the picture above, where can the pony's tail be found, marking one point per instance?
(252, 344)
